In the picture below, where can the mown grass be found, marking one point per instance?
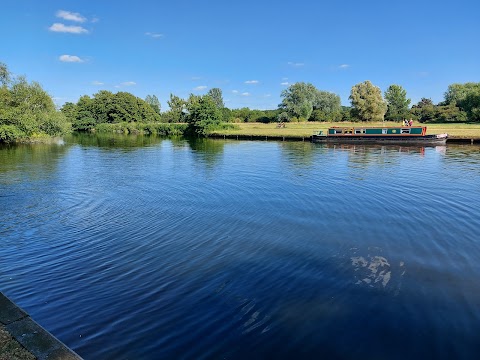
(306, 129)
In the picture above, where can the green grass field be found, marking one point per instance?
(306, 129)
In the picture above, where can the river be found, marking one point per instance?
(148, 248)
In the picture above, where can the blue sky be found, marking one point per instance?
(251, 49)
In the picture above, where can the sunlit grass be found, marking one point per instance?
(306, 129)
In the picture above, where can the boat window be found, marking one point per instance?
(359, 131)
(405, 131)
(338, 131)
(384, 131)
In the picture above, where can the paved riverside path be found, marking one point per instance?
(23, 339)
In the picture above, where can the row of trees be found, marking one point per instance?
(26, 110)
(304, 101)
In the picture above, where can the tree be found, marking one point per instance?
(70, 111)
(85, 119)
(367, 102)
(176, 112)
(4, 74)
(466, 97)
(327, 102)
(458, 92)
(153, 101)
(424, 110)
(202, 114)
(397, 103)
(216, 95)
(298, 100)
(450, 113)
(26, 110)
(301, 100)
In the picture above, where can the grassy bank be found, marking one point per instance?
(468, 131)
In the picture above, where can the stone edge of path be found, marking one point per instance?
(34, 338)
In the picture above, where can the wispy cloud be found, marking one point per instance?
(246, 94)
(128, 83)
(154, 35)
(70, 58)
(72, 29)
(70, 16)
(235, 91)
(344, 66)
(97, 83)
(423, 74)
(200, 88)
(251, 82)
(285, 83)
(296, 64)
(196, 78)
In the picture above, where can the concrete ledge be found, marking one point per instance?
(31, 335)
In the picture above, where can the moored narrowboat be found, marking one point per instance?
(380, 135)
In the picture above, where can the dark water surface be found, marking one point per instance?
(149, 248)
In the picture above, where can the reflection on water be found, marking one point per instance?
(112, 140)
(149, 247)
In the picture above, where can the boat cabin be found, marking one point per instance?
(378, 131)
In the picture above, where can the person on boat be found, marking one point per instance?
(410, 123)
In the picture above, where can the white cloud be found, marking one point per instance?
(71, 16)
(70, 58)
(246, 94)
(286, 83)
(128, 83)
(344, 66)
(154, 35)
(199, 88)
(235, 91)
(58, 27)
(251, 82)
(294, 64)
(97, 83)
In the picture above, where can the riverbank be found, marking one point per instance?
(21, 338)
(299, 131)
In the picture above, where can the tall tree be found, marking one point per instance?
(367, 102)
(153, 101)
(397, 103)
(26, 110)
(466, 97)
(327, 102)
(202, 114)
(176, 112)
(216, 95)
(4, 74)
(458, 92)
(298, 99)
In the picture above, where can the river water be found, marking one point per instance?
(151, 248)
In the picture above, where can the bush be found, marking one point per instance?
(10, 133)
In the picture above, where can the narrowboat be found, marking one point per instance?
(380, 135)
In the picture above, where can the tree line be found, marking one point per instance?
(28, 112)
